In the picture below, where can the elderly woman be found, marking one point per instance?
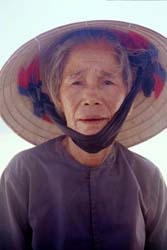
(85, 190)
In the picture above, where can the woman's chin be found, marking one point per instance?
(90, 130)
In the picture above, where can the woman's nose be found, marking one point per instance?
(91, 102)
(92, 97)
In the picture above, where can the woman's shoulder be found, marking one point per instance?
(141, 167)
(27, 160)
(144, 173)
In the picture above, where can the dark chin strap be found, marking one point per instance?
(149, 73)
(104, 138)
(89, 143)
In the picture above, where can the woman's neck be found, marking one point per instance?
(84, 157)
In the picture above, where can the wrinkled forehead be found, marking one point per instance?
(98, 58)
(95, 50)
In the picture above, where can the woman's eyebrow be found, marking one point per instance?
(74, 74)
(111, 74)
(106, 74)
(102, 73)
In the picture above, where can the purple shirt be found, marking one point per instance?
(49, 201)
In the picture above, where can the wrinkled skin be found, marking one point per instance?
(92, 89)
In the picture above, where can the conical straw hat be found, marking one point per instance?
(149, 115)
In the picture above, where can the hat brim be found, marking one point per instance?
(148, 117)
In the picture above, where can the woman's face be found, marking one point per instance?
(92, 88)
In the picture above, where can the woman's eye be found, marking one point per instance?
(108, 82)
(76, 83)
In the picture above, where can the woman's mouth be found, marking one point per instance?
(92, 120)
(91, 125)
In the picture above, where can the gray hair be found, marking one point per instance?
(58, 52)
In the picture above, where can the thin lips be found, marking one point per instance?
(93, 118)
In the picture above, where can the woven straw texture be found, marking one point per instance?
(149, 115)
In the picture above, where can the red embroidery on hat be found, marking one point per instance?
(22, 78)
(47, 118)
(30, 85)
(132, 40)
(159, 84)
(139, 41)
(33, 71)
(31, 74)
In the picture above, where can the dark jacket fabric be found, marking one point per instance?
(49, 201)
